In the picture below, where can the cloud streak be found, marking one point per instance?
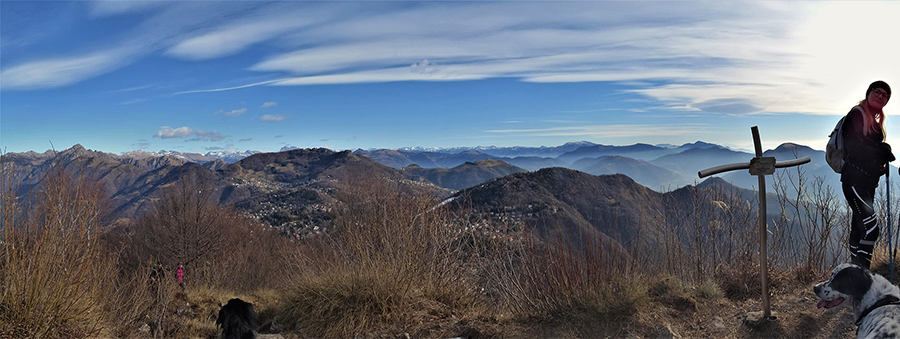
(272, 118)
(167, 132)
(233, 113)
(603, 131)
(57, 72)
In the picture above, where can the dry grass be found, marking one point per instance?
(54, 268)
(390, 257)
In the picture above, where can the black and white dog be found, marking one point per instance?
(238, 320)
(875, 301)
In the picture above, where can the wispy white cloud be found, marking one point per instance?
(381, 75)
(129, 89)
(233, 36)
(603, 131)
(114, 7)
(164, 23)
(272, 118)
(58, 72)
(200, 135)
(133, 101)
(229, 88)
(141, 144)
(167, 132)
(268, 104)
(233, 113)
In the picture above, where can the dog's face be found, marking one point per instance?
(847, 281)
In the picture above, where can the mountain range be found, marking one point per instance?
(288, 190)
(658, 167)
(294, 190)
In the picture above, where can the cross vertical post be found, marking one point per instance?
(759, 166)
(763, 235)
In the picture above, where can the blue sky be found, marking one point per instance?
(199, 76)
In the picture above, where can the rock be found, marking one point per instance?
(717, 324)
(756, 319)
(144, 328)
(667, 333)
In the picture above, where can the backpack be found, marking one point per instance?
(834, 150)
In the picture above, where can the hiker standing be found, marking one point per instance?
(152, 275)
(866, 157)
(179, 276)
(156, 273)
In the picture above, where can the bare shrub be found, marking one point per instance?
(391, 255)
(810, 221)
(54, 268)
(557, 278)
(185, 223)
(128, 304)
(704, 229)
(252, 258)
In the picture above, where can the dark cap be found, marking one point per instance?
(879, 84)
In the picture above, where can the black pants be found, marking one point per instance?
(864, 228)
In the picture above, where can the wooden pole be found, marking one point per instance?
(763, 234)
(759, 166)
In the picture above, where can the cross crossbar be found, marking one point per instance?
(746, 165)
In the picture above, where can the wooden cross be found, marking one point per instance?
(759, 166)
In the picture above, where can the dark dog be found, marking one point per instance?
(875, 301)
(238, 320)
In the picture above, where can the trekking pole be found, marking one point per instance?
(887, 181)
(894, 250)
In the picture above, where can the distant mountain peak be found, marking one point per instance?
(78, 151)
(579, 143)
(792, 146)
(700, 144)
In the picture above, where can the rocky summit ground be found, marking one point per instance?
(795, 316)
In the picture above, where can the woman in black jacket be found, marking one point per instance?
(866, 159)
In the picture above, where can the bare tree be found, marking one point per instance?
(185, 223)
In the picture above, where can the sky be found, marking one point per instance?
(201, 76)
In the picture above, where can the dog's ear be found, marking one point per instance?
(853, 281)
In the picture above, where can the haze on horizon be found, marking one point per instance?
(199, 76)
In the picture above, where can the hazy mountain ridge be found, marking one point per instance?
(660, 167)
(514, 151)
(466, 175)
(647, 174)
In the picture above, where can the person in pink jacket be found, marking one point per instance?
(179, 275)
